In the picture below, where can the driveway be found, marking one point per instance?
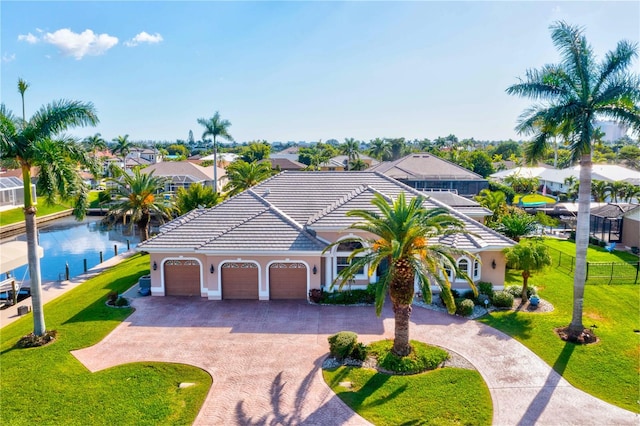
(265, 359)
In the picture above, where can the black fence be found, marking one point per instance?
(599, 272)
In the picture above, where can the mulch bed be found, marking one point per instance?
(584, 338)
(543, 306)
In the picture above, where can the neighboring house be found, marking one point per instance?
(285, 164)
(554, 179)
(291, 153)
(339, 163)
(607, 221)
(425, 171)
(181, 174)
(268, 241)
(223, 158)
(466, 206)
(12, 192)
(631, 227)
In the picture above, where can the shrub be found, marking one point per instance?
(464, 307)
(33, 341)
(315, 295)
(502, 299)
(482, 298)
(468, 294)
(348, 297)
(485, 288)
(341, 344)
(516, 290)
(422, 357)
(121, 302)
(112, 297)
(359, 351)
(455, 293)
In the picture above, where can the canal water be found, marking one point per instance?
(69, 242)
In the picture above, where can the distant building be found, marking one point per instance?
(182, 174)
(339, 163)
(612, 130)
(12, 192)
(425, 171)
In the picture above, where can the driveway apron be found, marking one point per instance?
(265, 359)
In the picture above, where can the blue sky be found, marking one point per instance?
(291, 71)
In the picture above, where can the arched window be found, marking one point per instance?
(343, 251)
(448, 272)
(463, 265)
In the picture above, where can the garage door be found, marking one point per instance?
(287, 281)
(239, 280)
(182, 278)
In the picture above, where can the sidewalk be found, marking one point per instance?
(54, 289)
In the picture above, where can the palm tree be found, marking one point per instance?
(136, 196)
(599, 189)
(243, 175)
(528, 256)
(94, 143)
(631, 192)
(401, 233)
(197, 196)
(616, 190)
(516, 224)
(496, 201)
(123, 147)
(575, 93)
(350, 148)
(31, 144)
(215, 126)
(22, 88)
(379, 149)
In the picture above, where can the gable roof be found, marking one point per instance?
(285, 163)
(424, 166)
(284, 212)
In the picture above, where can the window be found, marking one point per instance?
(463, 266)
(342, 257)
(448, 272)
(476, 269)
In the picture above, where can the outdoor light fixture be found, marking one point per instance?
(315, 269)
(212, 269)
(493, 264)
(155, 265)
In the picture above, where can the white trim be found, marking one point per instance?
(268, 266)
(217, 294)
(162, 283)
(469, 265)
(335, 254)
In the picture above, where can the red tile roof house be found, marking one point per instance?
(267, 242)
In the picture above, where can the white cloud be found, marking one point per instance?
(79, 45)
(144, 37)
(29, 38)
(8, 58)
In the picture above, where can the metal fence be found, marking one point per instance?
(599, 272)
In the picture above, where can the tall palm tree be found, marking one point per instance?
(243, 175)
(123, 147)
(575, 93)
(22, 88)
(599, 190)
(615, 190)
(94, 144)
(379, 149)
(31, 143)
(136, 195)
(401, 232)
(215, 127)
(350, 148)
(529, 256)
(630, 193)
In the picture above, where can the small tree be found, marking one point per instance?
(197, 196)
(529, 256)
(516, 224)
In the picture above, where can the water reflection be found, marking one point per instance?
(67, 241)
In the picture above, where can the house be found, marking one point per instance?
(607, 222)
(631, 228)
(466, 206)
(12, 192)
(339, 162)
(424, 171)
(181, 174)
(292, 153)
(283, 164)
(267, 242)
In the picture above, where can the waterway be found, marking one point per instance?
(69, 242)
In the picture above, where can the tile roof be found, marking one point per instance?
(424, 166)
(284, 211)
(194, 172)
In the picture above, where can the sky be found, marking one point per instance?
(292, 71)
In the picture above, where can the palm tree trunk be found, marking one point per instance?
(525, 282)
(143, 226)
(32, 253)
(215, 166)
(582, 242)
(401, 346)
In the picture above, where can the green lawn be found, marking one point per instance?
(7, 217)
(448, 396)
(48, 385)
(608, 369)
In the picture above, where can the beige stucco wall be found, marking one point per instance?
(631, 231)
(488, 274)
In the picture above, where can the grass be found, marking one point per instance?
(48, 385)
(607, 369)
(8, 217)
(448, 396)
(533, 198)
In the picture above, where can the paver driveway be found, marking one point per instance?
(265, 359)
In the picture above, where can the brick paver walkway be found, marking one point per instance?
(265, 359)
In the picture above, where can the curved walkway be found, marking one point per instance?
(265, 359)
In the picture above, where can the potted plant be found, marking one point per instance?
(534, 300)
